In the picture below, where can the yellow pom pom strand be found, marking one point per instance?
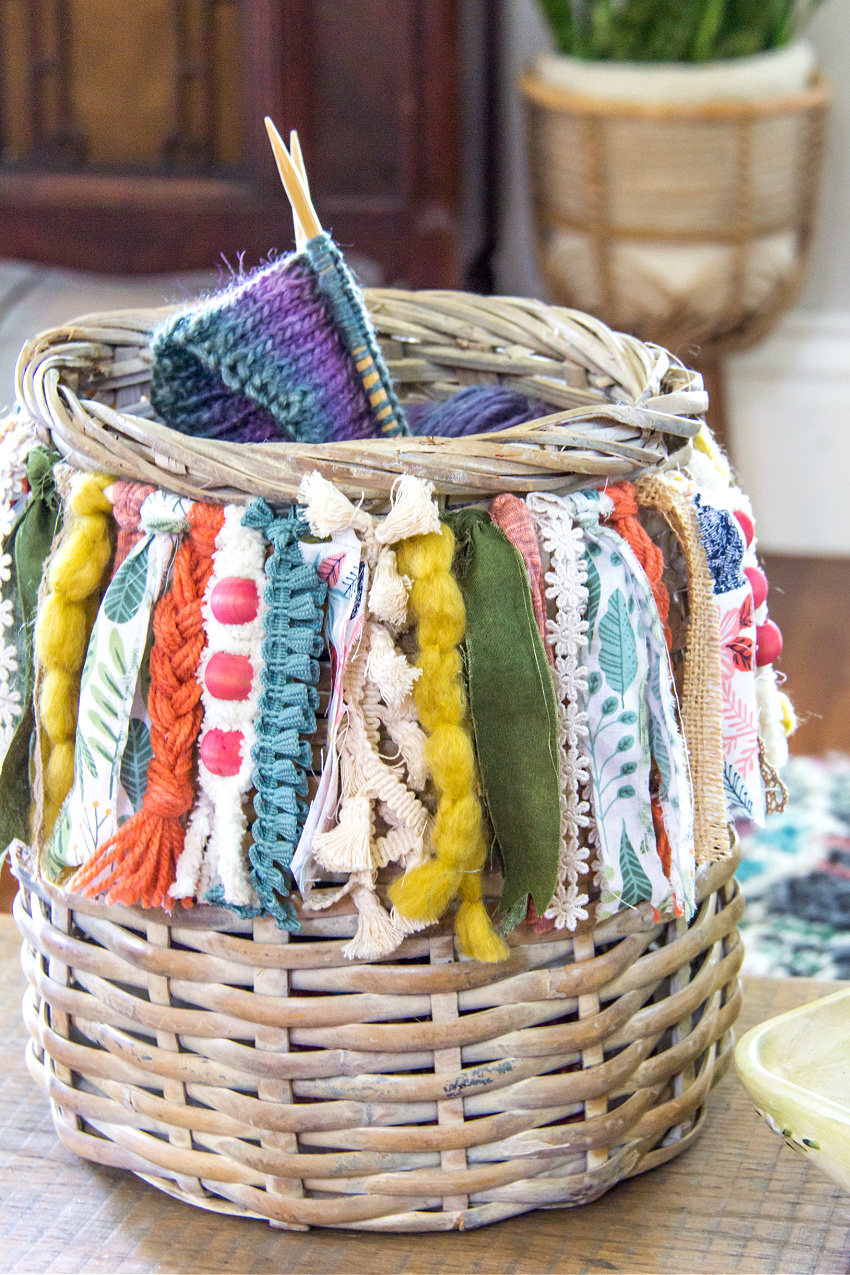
(790, 721)
(423, 894)
(63, 629)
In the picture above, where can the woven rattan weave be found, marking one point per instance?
(270, 1078)
(686, 224)
(262, 1074)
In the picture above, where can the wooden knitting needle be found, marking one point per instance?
(293, 184)
(298, 161)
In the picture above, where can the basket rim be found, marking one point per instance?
(653, 406)
(535, 89)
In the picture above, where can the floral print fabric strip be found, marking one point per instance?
(724, 544)
(633, 735)
(113, 737)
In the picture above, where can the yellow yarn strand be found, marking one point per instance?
(424, 893)
(62, 632)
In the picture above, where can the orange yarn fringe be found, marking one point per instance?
(137, 864)
(626, 523)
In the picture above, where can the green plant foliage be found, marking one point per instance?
(674, 30)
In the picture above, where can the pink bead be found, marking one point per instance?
(221, 751)
(229, 676)
(768, 643)
(758, 584)
(746, 524)
(234, 600)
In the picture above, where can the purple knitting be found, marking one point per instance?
(260, 360)
(477, 409)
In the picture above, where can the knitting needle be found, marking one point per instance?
(298, 161)
(293, 184)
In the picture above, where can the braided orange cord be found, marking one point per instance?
(626, 523)
(137, 865)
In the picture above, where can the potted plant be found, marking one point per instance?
(675, 147)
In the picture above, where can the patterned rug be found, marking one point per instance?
(795, 874)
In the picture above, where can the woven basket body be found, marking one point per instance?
(256, 1073)
(682, 224)
(262, 1074)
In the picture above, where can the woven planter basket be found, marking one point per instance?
(257, 1073)
(684, 224)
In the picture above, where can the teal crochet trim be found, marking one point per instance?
(286, 709)
(352, 320)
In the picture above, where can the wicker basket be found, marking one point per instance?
(257, 1073)
(684, 224)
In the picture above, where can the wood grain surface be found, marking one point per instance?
(739, 1202)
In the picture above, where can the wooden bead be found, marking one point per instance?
(235, 600)
(229, 676)
(768, 643)
(746, 524)
(221, 751)
(758, 584)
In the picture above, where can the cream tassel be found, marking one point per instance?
(348, 846)
(390, 591)
(412, 511)
(328, 510)
(388, 669)
(376, 934)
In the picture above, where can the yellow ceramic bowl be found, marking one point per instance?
(796, 1069)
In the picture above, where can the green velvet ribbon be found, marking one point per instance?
(514, 712)
(29, 544)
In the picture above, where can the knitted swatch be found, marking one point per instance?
(286, 708)
(287, 352)
(137, 865)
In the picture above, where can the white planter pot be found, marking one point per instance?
(765, 75)
(676, 200)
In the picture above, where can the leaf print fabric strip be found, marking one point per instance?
(113, 739)
(631, 725)
(723, 540)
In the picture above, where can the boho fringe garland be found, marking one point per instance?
(137, 865)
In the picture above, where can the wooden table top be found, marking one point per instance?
(739, 1201)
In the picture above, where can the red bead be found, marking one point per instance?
(235, 600)
(758, 584)
(746, 524)
(768, 643)
(229, 676)
(221, 751)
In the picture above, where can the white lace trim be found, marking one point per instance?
(566, 580)
(16, 441)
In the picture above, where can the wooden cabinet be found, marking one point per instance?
(131, 134)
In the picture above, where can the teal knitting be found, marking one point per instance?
(286, 352)
(286, 709)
